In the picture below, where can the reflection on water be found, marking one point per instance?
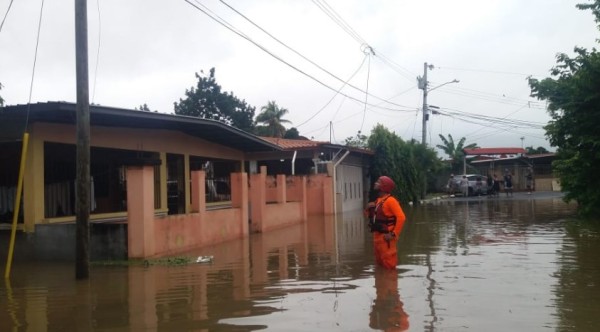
(479, 265)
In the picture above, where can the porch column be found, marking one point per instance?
(163, 182)
(186, 181)
(140, 211)
(199, 193)
(33, 184)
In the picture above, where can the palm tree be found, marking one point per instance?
(271, 116)
(454, 152)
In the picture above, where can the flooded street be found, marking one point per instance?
(474, 264)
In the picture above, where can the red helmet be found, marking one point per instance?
(386, 184)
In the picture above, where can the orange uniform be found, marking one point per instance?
(387, 311)
(387, 220)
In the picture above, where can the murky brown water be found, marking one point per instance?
(482, 265)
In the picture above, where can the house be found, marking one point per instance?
(160, 183)
(347, 165)
(518, 163)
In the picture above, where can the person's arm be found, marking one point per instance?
(394, 208)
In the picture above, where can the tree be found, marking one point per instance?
(454, 151)
(360, 141)
(409, 164)
(292, 133)
(1, 99)
(207, 101)
(144, 108)
(539, 150)
(573, 97)
(271, 116)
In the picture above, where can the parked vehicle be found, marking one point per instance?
(477, 184)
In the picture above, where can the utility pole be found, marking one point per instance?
(82, 164)
(423, 85)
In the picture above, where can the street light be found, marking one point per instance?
(423, 86)
(441, 85)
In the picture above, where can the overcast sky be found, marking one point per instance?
(147, 51)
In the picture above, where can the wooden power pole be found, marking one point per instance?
(82, 182)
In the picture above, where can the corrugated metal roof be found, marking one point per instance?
(541, 155)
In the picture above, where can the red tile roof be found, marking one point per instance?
(302, 144)
(293, 143)
(494, 151)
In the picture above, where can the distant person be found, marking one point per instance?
(450, 186)
(508, 184)
(529, 180)
(478, 185)
(496, 186)
(464, 186)
(490, 184)
(386, 220)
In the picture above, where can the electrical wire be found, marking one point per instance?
(98, 52)
(37, 43)
(6, 14)
(366, 95)
(487, 71)
(302, 56)
(224, 23)
(335, 17)
(334, 95)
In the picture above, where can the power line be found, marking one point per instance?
(304, 57)
(488, 71)
(98, 52)
(6, 14)
(224, 23)
(335, 17)
(37, 43)
(334, 95)
(366, 94)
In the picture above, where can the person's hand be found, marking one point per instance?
(389, 236)
(370, 210)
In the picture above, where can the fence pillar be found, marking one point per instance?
(258, 201)
(239, 197)
(140, 211)
(281, 189)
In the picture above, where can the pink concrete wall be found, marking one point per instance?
(156, 236)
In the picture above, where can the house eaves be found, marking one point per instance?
(13, 118)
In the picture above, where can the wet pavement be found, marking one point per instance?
(520, 263)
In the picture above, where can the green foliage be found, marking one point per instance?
(573, 97)
(292, 133)
(144, 108)
(271, 116)
(207, 101)
(360, 141)
(455, 151)
(409, 164)
(539, 150)
(1, 99)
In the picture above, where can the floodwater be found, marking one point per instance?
(479, 265)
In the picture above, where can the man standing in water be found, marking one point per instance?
(386, 220)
